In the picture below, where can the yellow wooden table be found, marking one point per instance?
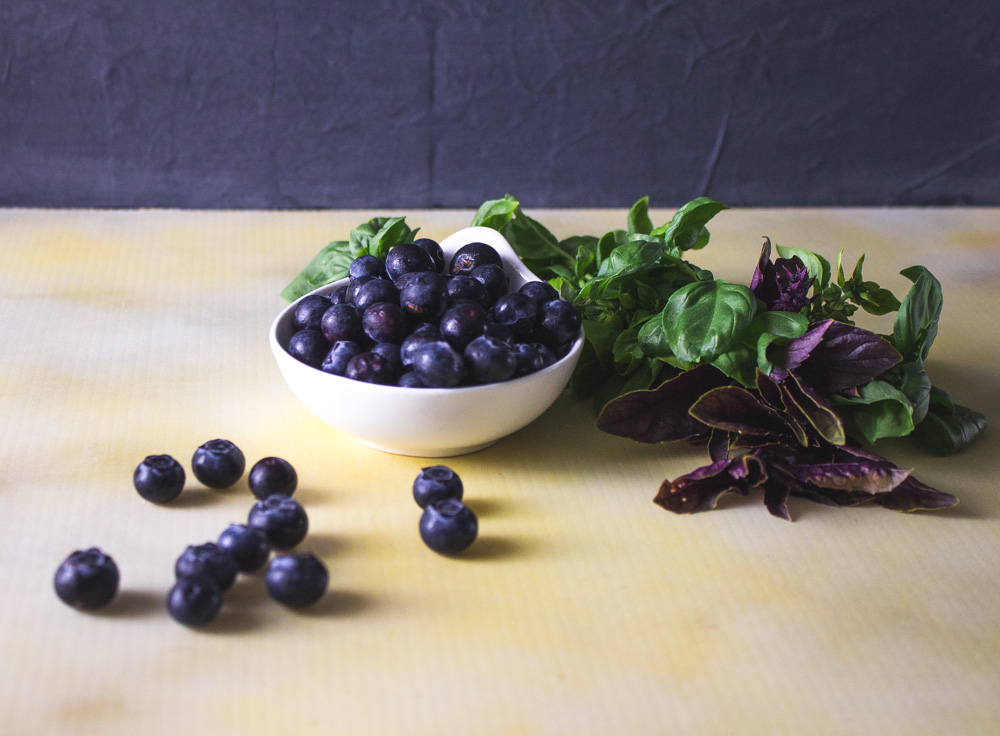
(582, 609)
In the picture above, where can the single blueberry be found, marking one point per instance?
(539, 292)
(405, 258)
(308, 346)
(272, 476)
(532, 357)
(296, 580)
(471, 256)
(516, 311)
(339, 356)
(462, 323)
(385, 322)
(342, 322)
(448, 526)
(493, 278)
(309, 312)
(427, 332)
(159, 478)
(490, 360)
(354, 285)
(435, 483)
(340, 295)
(87, 579)
(248, 546)
(282, 519)
(410, 380)
(210, 560)
(466, 287)
(218, 463)
(367, 265)
(194, 601)
(558, 323)
(370, 368)
(373, 292)
(438, 365)
(391, 352)
(433, 250)
(424, 296)
(500, 332)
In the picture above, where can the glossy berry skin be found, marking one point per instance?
(339, 356)
(373, 292)
(272, 476)
(490, 360)
(340, 296)
(248, 546)
(410, 380)
(532, 357)
(211, 561)
(448, 526)
(433, 249)
(435, 483)
(539, 292)
(558, 323)
(367, 265)
(424, 334)
(309, 347)
(194, 601)
(471, 256)
(309, 312)
(218, 463)
(493, 278)
(342, 322)
(466, 287)
(385, 322)
(87, 579)
(462, 323)
(282, 519)
(296, 580)
(406, 258)
(424, 296)
(516, 311)
(159, 478)
(391, 352)
(371, 368)
(438, 365)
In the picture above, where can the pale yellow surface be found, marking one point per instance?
(582, 609)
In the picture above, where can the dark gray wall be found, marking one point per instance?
(387, 103)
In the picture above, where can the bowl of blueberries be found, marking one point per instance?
(441, 349)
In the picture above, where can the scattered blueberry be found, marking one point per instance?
(437, 365)
(490, 360)
(194, 601)
(159, 478)
(308, 346)
(309, 313)
(272, 476)
(296, 580)
(209, 560)
(282, 519)
(435, 483)
(406, 258)
(248, 545)
(448, 526)
(471, 256)
(218, 463)
(339, 356)
(87, 579)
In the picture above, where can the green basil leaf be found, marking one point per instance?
(534, 243)
(775, 326)
(327, 266)
(628, 259)
(916, 386)
(393, 232)
(739, 363)
(704, 319)
(601, 336)
(916, 323)
(948, 432)
(684, 231)
(638, 217)
(652, 338)
(877, 300)
(496, 213)
(880, 411)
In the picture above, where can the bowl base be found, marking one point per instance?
(436, 452)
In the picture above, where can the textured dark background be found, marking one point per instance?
(244, 103)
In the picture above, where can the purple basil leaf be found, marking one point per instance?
(763, 271)
(864, 476)
(789, 357)
(769, 392)
(718, 445)
(661, 414)
(846, 357)
(737, 410)
(777, 489)
(912, 495)
(700, 489)
(815, 408)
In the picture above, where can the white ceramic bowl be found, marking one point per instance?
(427, 422)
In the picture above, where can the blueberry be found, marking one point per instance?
(490, 360)
(471, 256)
(424, 334)
(282, 519)
(308, 346)
(516, 311)
(405, 258)
(218, 463)
(558, 323)
(462, 323)
(159, 478)
(342, 322)
(493, 278)
(410, 380)
(385, 322)
(87, 579)
(367, 265)
(296, 580)
(309, 312)
(371, 368)
(272, 476)
(437, 365)
(339, 356)
(248, 546)
(435, 483)
(353, 287)
(532, 357)
(500, 332)
(210, 560)
(391, 352)
(539, 292)
(466, 287)
(339, 296)
(448, 526)
(194, 601)
(424, 296)
(373, 292)
(434, 251)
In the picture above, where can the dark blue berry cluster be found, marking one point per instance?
(447, 525)
(411, 322)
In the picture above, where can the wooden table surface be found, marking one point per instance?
(582, 609)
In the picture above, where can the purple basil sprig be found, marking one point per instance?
(783, 285)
